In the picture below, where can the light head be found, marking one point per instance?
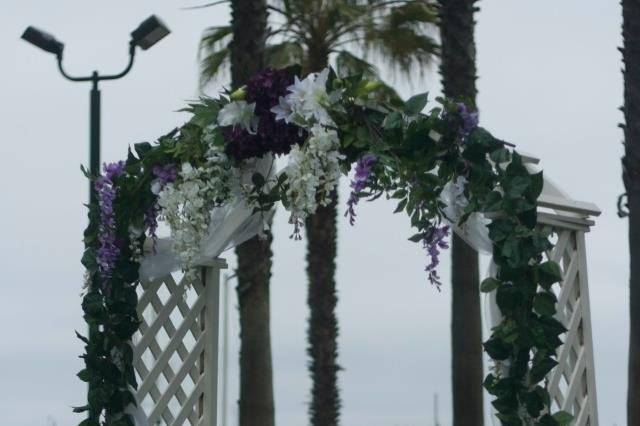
(43, 40)
(149, 32)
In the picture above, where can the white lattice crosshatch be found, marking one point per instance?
(571, 383)
(176, 349)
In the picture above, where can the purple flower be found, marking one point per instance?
(113, 170)
(109, 248)
(469, 120)
(265, 89)
(359, 183)
(151, 223)
(164, 175)
(167, 173)
(434, 240)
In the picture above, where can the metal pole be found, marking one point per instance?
(94, 166)
(94, 133)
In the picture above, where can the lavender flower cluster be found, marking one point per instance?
(265, 89)
(359, 182)
(106, 192)
(469, 118)
(163, 175)
(433, 241)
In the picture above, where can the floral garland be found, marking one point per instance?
(324, 124)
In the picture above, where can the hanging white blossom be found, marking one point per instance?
(186, 203)
(313, 172)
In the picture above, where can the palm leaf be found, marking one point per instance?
(214, 66)
(349, 64)
(401, 39)
(214, 53)
(284, 54)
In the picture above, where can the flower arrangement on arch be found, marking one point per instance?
(324, 125)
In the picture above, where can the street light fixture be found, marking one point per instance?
(148, 33)
(43, 40)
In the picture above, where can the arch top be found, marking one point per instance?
(556, 201)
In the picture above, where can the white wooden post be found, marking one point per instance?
(571, 383)
(176, 349)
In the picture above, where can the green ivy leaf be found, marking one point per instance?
(416, 237)
(541, 367)
(258, 180)
(508, 298)
(547, 420)
(85, 375)
(497, 349)
(545, 304)
(500, 155)
(142, 148)
(563, 418)
(548, 273)
(518, 185)
(489, 284)
(416, 104)
(534, 403)
(92, 304)
(535, 189)
(401, 205)
(392, 121)
(493, 202)
(506, 404)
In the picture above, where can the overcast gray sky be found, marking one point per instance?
(549, 81)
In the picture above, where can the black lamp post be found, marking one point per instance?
(148, 33)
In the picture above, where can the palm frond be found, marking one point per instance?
(203, 6)
(349, 64)
(284, 54)
(402, 38)
(214, 53)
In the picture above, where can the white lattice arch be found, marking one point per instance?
(572, 384)
(176, 347)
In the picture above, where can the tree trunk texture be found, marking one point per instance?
(631, 178)
(458, 70)
(255, 406)
(322, 334)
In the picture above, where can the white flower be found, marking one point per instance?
(186, 204)
(283, 110)
(239, 113)
(307, 101)
(312, 173)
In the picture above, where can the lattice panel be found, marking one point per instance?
(572, 382)
(175, 350)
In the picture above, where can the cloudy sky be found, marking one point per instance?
(549, 81)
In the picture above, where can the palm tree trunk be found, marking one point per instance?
(256, 407)
(322, 334)
(458, 70)
(631, 177)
